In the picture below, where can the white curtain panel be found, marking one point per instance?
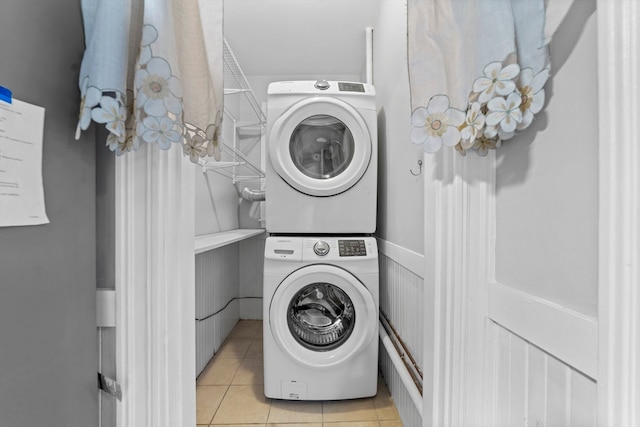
(477, 69)
(152, 73)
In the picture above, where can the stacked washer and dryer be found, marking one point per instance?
(321, 294)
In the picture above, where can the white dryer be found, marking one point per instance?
(320, 317)
(321, 171)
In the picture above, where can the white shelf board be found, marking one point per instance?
(216, 240)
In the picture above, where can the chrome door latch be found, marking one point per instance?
(109, 386)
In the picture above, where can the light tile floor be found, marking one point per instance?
(230, 393)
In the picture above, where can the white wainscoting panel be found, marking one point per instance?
(251, 277)
(567, 334)
(401, 398)
(409, 259)
(402, 300)
(217, 283)
(533, 388)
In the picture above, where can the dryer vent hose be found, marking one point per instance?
(253, 196)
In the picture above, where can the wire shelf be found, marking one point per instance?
(233, 162)
(235, 82)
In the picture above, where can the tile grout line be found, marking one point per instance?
(247, 333)
(219, 405)
(270, 400)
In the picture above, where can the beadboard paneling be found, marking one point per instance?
(251, 277)
(216, 279)
(402, 300)
(217, 283)
(211, 333)
(533, 388)
(406, 409)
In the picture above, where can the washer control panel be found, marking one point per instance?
(350, 87)
(352, 247)
(321, 248)
(326, 87)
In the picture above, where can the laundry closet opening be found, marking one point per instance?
(319, 154)
(229, 222)
(229, 228)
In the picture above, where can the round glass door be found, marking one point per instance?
(321, 316)
(321, 147)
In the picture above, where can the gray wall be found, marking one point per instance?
(400, 193)
(547, 179)
(106, 263)
(48, 350)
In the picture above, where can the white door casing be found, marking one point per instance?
(461, 234)
(155, 288)
(619, 213)
(158, 385)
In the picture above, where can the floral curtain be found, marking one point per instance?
(152, 73)
(477, 69)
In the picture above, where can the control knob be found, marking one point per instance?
(322, 85)
(321, 248)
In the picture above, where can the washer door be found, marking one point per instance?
(320, 146)
(322, 315)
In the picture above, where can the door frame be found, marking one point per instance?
(460, 249)
(154, 193)
(619, 213)
(155, 288)
(459, 263)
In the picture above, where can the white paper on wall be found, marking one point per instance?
(21, 189)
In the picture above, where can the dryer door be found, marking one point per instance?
(322, 315)
(320, 146)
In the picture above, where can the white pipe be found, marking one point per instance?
(407, 360)
(369, 54)
(405, 376)
(253, 196)
(263, 164)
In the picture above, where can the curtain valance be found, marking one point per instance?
(152, 73)
(477, 69)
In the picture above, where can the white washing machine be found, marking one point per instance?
(320, 317)
(321, 171)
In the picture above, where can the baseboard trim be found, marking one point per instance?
(409, 259)
(566, 334)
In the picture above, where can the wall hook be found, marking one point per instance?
(419, 170)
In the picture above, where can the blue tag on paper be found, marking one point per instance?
(5, 95)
